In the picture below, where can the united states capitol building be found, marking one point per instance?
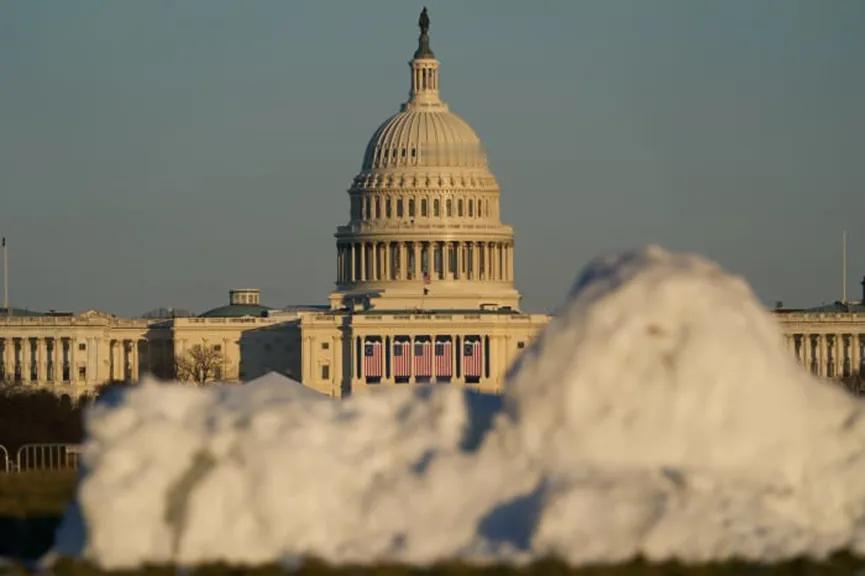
(424, 288)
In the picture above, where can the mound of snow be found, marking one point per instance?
(658, 414)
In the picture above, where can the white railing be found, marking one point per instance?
(41, 457)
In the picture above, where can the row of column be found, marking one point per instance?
(58, 359)
(428, 261)
(830, 355)
(27, 359)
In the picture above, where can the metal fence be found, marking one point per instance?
(41, 457)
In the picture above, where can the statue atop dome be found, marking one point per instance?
(423, 49)
(423, 21)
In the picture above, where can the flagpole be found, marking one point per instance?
(844, 267)
(5, 280)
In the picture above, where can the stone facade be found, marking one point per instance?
(828, 341)
(74, 355)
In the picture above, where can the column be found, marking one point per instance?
(805, 356)
(417, 267)
(362, 247)
(58, 360)
(42, 364)
(73, 359)
(374, 262)
(486, 260)
(475, 260)
(497, 261)
(26, 358)
(460, 246)
(134, 360)
(8, 347)
(511, 276)
(351, 271)
(822, 354)
(403, 253)
(855, 354)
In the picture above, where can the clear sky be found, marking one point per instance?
(157, 153)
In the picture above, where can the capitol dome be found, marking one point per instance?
(424, 138)
(425, 229)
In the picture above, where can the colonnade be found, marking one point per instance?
(826, 354)
(375, 261)
(64, 359)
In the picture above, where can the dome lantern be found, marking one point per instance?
(424, 92)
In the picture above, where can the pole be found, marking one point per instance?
(844, 267)
(6, 280)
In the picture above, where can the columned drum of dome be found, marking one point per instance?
(425, 229)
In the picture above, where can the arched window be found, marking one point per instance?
(436, 208)
(387, 207)
(449, 208)
(377, 208)
(399, 208)
(411, 207)
(471, 208)
(423, 207)
(366, 207)
(460, 207)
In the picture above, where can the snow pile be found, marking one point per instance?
(658, 414)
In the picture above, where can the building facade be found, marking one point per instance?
(828, 340)
(424, 284)
(76, 354)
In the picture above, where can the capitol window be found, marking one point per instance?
(436, 208)
(366, 208)
(411, 207)
(387, 208)
(377, 209)
(399, 208)
(449, 208)
(460, 208)
(471, 208)
(423, 207)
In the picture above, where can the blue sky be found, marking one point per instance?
(158, 153)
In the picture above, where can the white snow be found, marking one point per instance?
(658, 414)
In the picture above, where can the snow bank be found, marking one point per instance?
(658, 414)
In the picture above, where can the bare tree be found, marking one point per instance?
(199, 364)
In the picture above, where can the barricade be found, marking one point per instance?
(47, 457)
(5, 462)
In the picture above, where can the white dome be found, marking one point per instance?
(424, 138)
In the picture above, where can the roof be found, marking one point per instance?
(833, 308)
(20, 312)
(236, 311)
